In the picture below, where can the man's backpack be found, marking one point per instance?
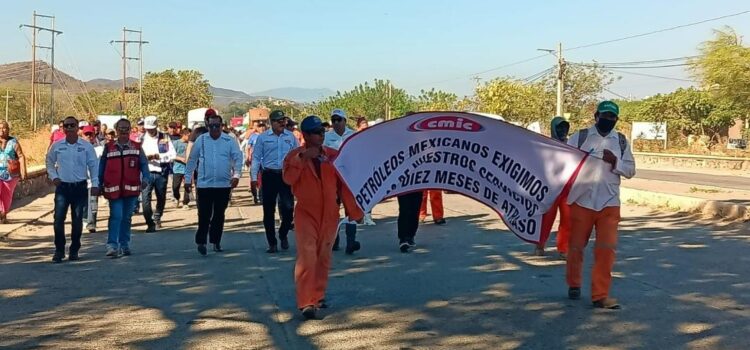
(584, 133)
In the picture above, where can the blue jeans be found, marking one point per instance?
(73, 195)
(158, 184)
(120, 218)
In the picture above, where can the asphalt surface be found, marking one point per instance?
(725, 181)
(468, 285)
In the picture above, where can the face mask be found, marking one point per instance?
(605, 125)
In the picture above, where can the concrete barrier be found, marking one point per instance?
(689, 161)
(36, 184)
(724, 211)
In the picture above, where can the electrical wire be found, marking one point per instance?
(652, 76)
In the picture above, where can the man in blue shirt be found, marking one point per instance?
(178, 168)
(269, 152)
(70, 162)
(218, 159)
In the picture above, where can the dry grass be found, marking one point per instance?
(35, 147)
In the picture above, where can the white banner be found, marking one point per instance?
(516, 172)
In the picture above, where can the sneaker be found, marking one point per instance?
(368, 220)
(91, 228)
(309, 312)
(73, 256)
(404, 247)
(186, 207)
(606, 303)
(151, 229)
(58, 258)
(440, 222)
(284, 244)
(202, 249)
(574, 293)
(217, 248)
(126, 251)
(322, 304)
(272, 250)
(411, 243)
(538, 251)
(353, 248)
(112, 252)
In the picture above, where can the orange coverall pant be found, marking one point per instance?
(316, 217)
(563, 231)
(436, 202)
(583, 221)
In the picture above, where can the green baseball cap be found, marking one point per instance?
(277, 115)
(608, 106)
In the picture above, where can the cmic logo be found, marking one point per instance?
(446, 122)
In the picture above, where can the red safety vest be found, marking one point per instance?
(122, 175)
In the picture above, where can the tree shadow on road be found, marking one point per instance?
(470, 284)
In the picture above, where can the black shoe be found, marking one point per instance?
(411, 243)
(322, 304)
(92, 230)
(151, 228)
(73, 256)
(440, 222)
(336, 244)
(217, 247)
(202, 249)
(309, 312)
(404, 247)
(607, 303)
(58, 258)
(574, 293)
(285, 244)
(126, 252)
(350, 249)
(272, 250)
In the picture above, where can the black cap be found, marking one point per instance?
(277, 115)
(311, 123)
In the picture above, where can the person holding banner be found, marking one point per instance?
(559, 128)
(436, 202)
(595, 203)
(310, 172)
(334, 139)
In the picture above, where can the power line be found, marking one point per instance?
(658, 31)
(616, 94)
(652, 76)
(664, 60)
(604, 66)
(538, 75)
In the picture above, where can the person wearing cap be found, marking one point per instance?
(70, 162)
(315, 183)
(122, 168)
(218, 161)
(173, 130)
(136, 135)
(595, 203)
(92, 205)
(268, 154)
(559, 128)
(334, 138)
(111, 136)
(160, 154)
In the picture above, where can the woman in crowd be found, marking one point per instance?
(12, 168)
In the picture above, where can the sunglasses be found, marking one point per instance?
(70, 125)
(214, 126)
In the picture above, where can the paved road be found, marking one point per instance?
(735, 182)
(469, 285)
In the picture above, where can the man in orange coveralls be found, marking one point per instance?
(309, 171)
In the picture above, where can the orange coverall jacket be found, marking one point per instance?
(316, 217)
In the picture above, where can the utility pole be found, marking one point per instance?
(7, 103)
(125, 57)
(560, 75)
(34, 82)
(388, 101)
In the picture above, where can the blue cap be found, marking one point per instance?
(311, 123)
(339, 112)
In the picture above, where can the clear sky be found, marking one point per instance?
(259, 45)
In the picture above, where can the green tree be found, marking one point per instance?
(369, 101)
(436, 100)
(171, 94)
(515, 100)
(582, 88)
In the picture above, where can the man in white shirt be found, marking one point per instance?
(595, 202)
(334, 138)
(218, 159)
(70, 163)
(160, 153)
